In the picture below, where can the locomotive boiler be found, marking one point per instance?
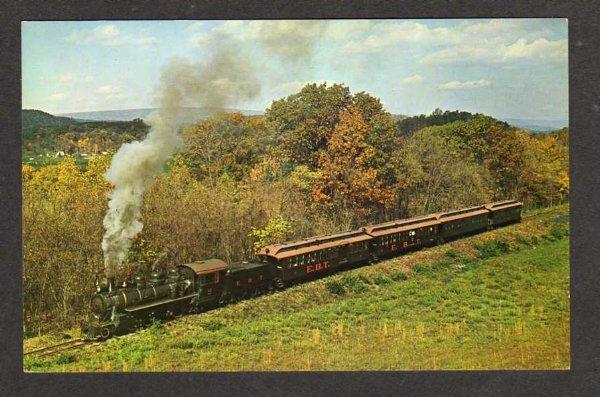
(185, 288)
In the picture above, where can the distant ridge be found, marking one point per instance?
(189, 115)
(32, 118)
(538, 125)
(35, 118)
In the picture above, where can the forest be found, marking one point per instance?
(45, 135)
(319, 161)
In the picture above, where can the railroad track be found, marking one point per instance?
(75, 344)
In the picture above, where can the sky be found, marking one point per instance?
(507, 68)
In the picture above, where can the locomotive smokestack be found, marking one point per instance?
(111, 284)
(158, 259)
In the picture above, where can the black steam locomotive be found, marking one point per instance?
(201, 286)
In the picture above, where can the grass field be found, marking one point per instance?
(499, 300)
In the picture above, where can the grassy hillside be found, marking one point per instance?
(495, 300)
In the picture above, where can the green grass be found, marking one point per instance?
(497, 300)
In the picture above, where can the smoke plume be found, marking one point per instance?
(221, 81)
(227, 77)
(291, 40)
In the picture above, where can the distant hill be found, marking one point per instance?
(189, 115)
(538, 125)
(31, 118)
(409, 124)
(398, 117)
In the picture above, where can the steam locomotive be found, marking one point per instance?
(203, 285)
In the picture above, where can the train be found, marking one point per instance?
(207, 284)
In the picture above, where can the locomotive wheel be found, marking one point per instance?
(105, 333)
(279, 283)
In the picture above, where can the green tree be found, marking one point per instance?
(276, 231)
(439, 175)
(304, 121)
(228, 144)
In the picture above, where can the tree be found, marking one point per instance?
(439, 175)
(226, 145)
(408, 125)
(304, 121)
(347, 186)
(276, 231)
(544, 178)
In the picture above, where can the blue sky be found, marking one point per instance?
(508, 68)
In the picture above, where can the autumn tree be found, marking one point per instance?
(304, 121)
(63, 208)
(544, 178)
(347, 187)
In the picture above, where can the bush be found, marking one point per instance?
(522, 240)
(441, 264)
(558, 232)
(335, 287)
(382, 279)
(354, 283)
(492, 248)
(399, 276)
(182, 344)
(348, 283)
(213, 325)
(452, 253)
(65, 359)
(421, 268)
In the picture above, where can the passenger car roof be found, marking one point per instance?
(503, 204)
(400, 225)
(311, 244)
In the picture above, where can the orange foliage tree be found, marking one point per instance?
(346, 185)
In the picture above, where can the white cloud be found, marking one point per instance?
(416, 79)
(293, 87)
(458, 85)
(540, 48)
(234, 29)
(68, 79)
(341, 30)
(200, 39)
(106, 31)
(253, 30)
(194, 26)
(230, 28)
(390, 34)
(496, 53)
(107, 35)
(109, 92)
(498, 40)
(59, 96)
